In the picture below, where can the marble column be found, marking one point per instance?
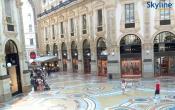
(114, 64)
(5, 91)
(80, 62)
(148, 61)
(69, 62)
(25, 74)
(147, 47)
(94, 69)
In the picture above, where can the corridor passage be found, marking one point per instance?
(70, 91)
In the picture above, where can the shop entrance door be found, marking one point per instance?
(164, 66)
(87, 66)
(75, 64)
(64, 64)
(131, 67)
(102, 67)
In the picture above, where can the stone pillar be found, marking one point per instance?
(94, 69)
(80, 62)
(69, 62)
(25, 74)
(148, 61)
(147, 48)
(113, 57)
(26, 81)
(114, 64)
(5, 91)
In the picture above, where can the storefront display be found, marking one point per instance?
(86, 56)
(164, 54)
(131, 67)
(130, 54)
(64, 56)
(74, 53)
(64, 64)
(165, 66)
(102, 57)
(102, 67)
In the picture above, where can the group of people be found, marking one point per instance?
(157, 88)
(38, 80)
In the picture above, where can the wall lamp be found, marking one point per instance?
(147, 52)
(112, 53)
(75, 54)
(64, 54)
(8, 65)
(88, 54)
(104, 52)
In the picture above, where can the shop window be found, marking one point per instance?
(62, 29)
(9, 17)
(84, 24)
(129, 16)
(165, 14)
(99, 20)
(72, 26)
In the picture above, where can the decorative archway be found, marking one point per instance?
(47, 49)
(55, 53)
(131, 56)
(102, 57)
(74, 53)
(55, 49)
(164, 54)
(12, 57)
(64, 56)
(86, 56)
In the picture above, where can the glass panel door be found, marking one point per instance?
(164, 65)
(102, 67)
(75, 64)
(87, 66)
(64, 64)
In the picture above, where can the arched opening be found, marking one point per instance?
(64, 56)
(102, 57)
(55, 50)
(12, 57)
(55, 53)
(131, 56)
(74, 53)
(47, 49)
(87, 56)
(164, 54)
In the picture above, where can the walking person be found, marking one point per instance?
(123, 86)
(32, 80)
(157, 88)
(48, 72)
(35, 83)
(157, 92)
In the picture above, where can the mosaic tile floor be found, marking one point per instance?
(86, 92)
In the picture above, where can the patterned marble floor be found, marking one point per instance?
(87, 92)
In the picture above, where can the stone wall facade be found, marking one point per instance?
(146, 21)
(11, 34)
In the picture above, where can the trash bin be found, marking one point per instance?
(110, 76)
